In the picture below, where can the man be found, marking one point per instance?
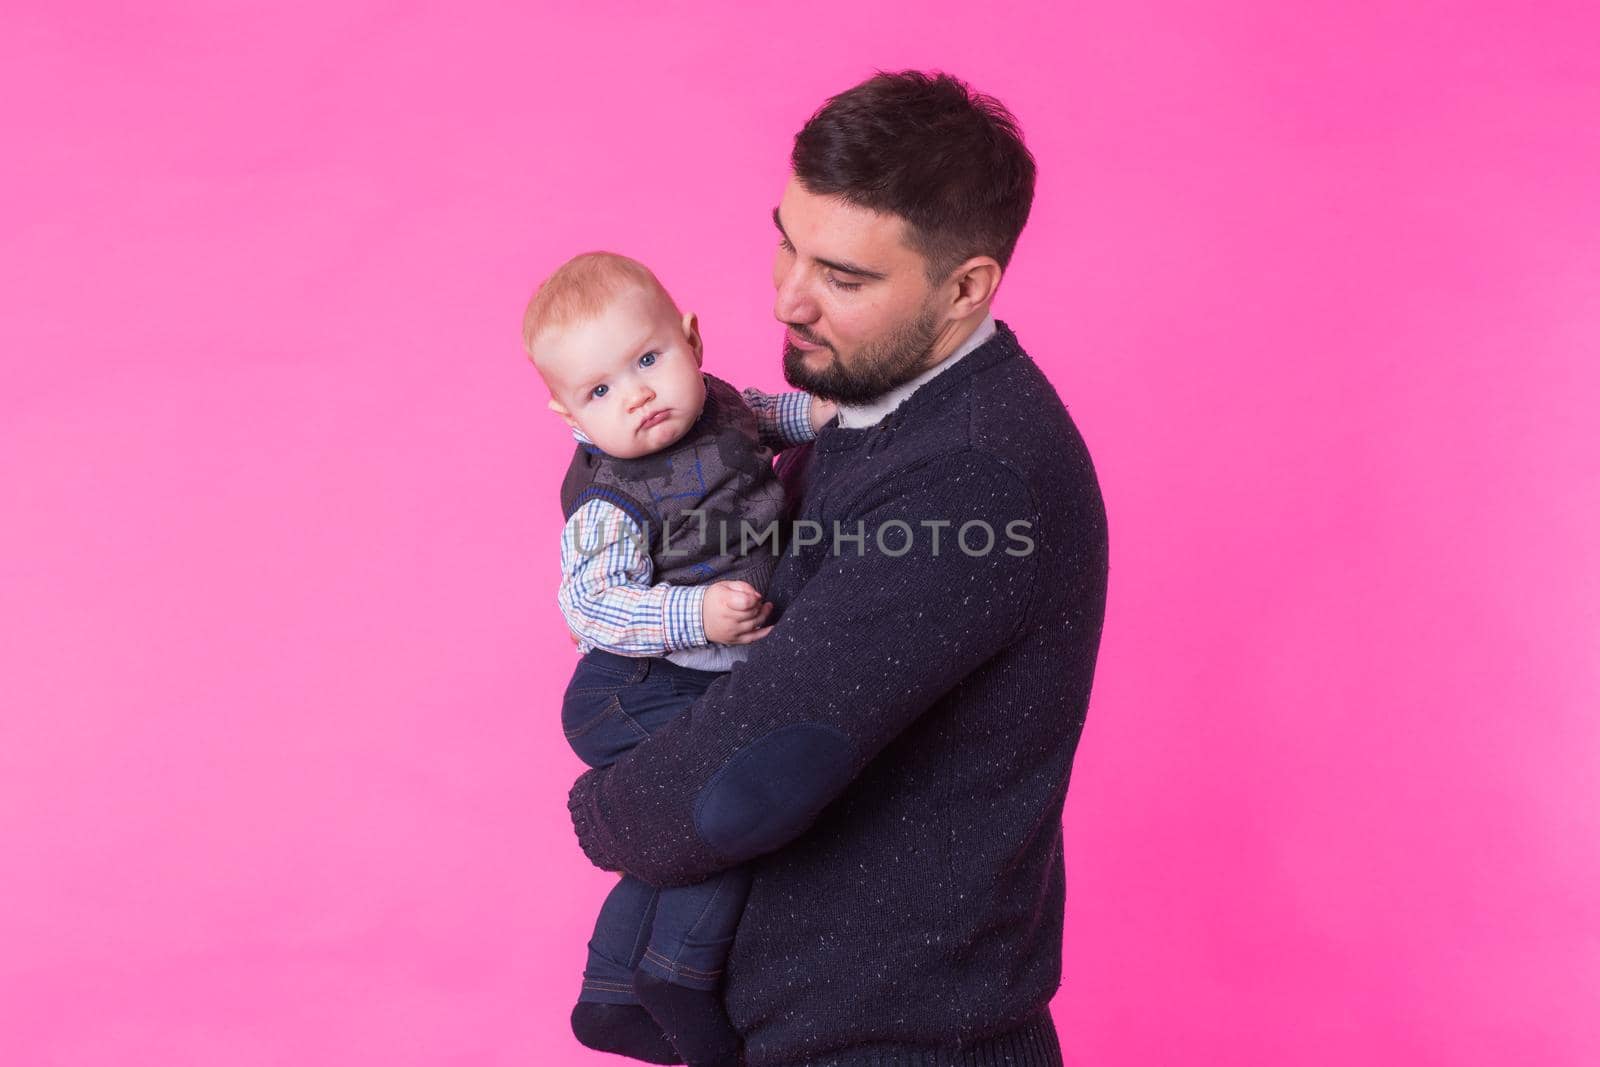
(893, 757)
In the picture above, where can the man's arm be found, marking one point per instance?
(873, 640)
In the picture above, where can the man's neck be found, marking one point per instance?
(955, 336)
(969, 336)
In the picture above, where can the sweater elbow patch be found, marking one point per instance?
(770, 791)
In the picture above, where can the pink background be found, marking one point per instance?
(280, 776)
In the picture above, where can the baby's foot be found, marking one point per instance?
(626, 1029)
(693, 1020)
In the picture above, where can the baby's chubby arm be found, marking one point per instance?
(787, 419)
(608, 600)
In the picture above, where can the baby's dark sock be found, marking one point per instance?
(693, 1020)
(626, 1029)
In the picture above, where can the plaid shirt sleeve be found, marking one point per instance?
(783, 419)
(606, 594)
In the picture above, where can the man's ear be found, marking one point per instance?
(561, 409)
(691, 330)
(975, 282)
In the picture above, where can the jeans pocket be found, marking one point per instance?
(597, 728)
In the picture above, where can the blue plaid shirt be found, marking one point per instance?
(606, 594)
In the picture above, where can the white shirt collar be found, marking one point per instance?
(859, 416)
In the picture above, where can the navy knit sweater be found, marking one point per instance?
(893, 758)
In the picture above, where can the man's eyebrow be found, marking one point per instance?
(832, 264)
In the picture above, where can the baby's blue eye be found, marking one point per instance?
(599, 391)
(647, 360)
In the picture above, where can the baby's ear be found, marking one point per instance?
(691, 330)
(561, 409)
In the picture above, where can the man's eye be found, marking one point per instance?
(647, 360)
(599, 391)
(784, 244)
(846, 286)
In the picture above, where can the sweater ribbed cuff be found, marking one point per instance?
(578, 800)
(1032, 1044)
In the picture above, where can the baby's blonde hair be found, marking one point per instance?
(582, 288)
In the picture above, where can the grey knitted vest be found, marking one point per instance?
(710, 505)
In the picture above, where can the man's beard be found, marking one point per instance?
(877, 368)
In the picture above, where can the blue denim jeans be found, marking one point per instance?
(680, 934)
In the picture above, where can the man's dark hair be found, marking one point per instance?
(924, 146)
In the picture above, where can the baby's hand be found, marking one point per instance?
(734, 612)
(822, 412)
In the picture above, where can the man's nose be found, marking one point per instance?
(793, 302)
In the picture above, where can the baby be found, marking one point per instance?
(665, 556)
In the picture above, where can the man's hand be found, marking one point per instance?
(822, 412)
(734, 613)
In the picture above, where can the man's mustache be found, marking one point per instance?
(806, 336)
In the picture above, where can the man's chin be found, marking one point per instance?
(818, 373)
(808, 370)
